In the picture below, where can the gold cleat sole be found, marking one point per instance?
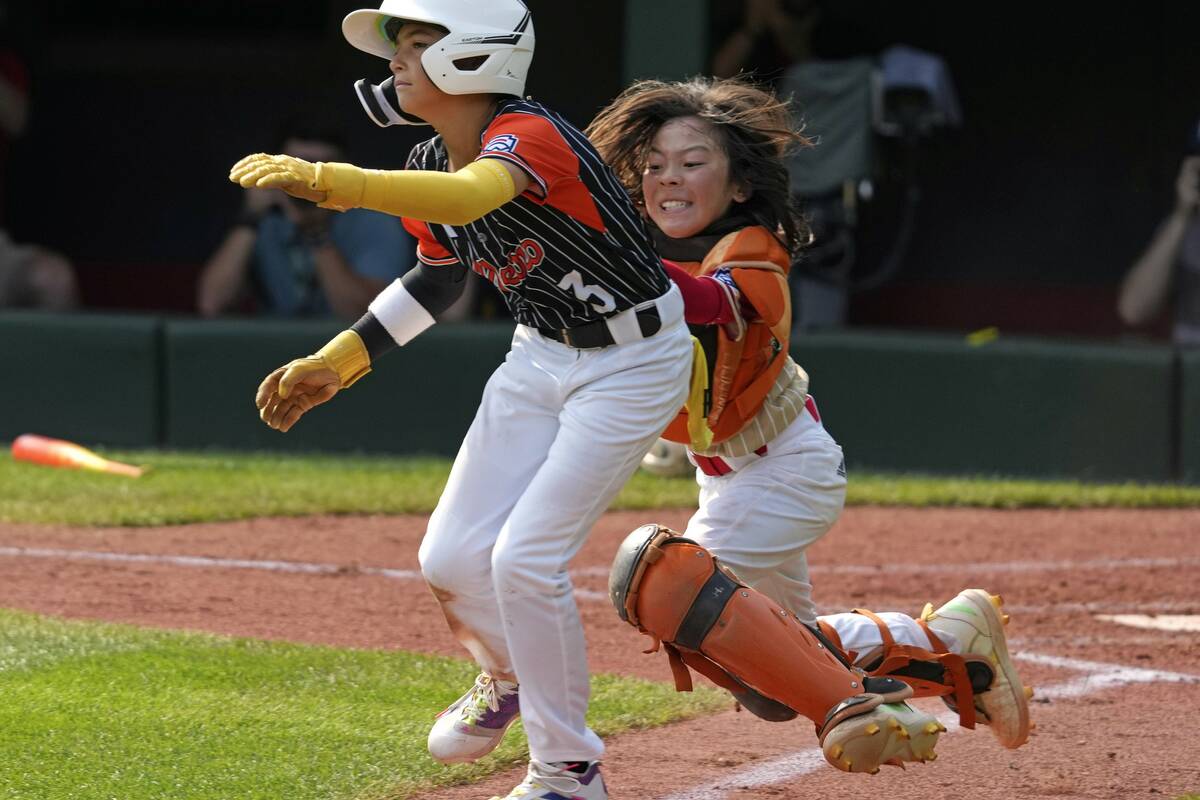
(891, 733)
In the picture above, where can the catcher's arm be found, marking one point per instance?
(444, 198)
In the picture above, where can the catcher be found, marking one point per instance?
(703, 159)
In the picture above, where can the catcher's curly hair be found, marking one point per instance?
(755, 128)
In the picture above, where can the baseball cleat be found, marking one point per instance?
(559, 782)
(474, 724)
(890, 733)
(975, 622)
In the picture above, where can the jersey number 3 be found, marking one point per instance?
(574, 281)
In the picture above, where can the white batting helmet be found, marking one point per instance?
(498, 31)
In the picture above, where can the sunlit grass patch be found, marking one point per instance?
(93, 712)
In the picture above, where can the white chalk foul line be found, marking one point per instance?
(206, 561)
(1098, 675)
(977, 567)
(794, 765)
(1008, 566)
(1098, 606)
(588, 594)
(1160, 607)
(1159, 622)
(590, 572)
(294, 567)
(768, 773)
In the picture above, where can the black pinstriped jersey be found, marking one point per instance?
(569, 250)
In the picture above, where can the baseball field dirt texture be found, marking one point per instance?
(1104, 606)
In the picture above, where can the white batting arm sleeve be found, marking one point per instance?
(399, 313)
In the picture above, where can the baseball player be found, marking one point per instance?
(703, 159)
(600, 359)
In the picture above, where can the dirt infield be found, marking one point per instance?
(1117, 707)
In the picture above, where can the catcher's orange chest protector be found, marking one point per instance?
(745, 369)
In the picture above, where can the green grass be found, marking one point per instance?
(199, 487)
(92, 712)
(921, 491)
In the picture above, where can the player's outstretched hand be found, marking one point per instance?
(293, 390)
(293, 175)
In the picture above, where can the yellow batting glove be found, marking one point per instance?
(294, 389)
(345, 355)
(295, 176)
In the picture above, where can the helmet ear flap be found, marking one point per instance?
(382, 105)
(518, 63)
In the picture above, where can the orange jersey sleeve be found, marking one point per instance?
(535, 145)
(429, 250)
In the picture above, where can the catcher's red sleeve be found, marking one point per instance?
(704, 301)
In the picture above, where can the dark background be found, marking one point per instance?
(1074, 124)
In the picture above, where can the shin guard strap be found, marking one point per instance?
(679, 670)
(954, 679)
(832, 638)
(884, 633)
(938, 645)
(706, 610)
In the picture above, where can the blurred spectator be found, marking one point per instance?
(847, 105)
(833, 98)
(772, 36)
(290, 258)
(31, 276)
(1168, 271)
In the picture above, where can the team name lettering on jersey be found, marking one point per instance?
(520, 261)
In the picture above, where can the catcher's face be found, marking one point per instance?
(414, 90)
(686, 184)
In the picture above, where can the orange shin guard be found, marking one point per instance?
(675, 591)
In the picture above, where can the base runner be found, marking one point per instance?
(600, 360)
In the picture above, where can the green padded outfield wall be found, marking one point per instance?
(1016, 407)
(1189, 412)
(901, 402)
(93, 379)
(419, 399)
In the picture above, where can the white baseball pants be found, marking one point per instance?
(761, 519)
(558, 433)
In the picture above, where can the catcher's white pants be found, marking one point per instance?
(761, 519)
(558, 433)
(861, 634)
